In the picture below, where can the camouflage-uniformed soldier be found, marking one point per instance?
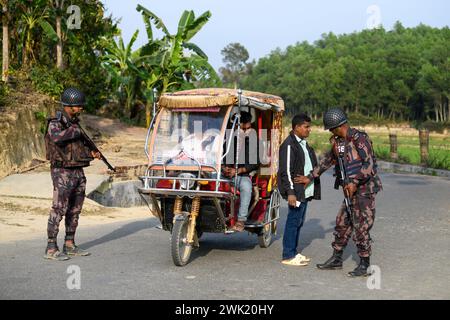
(363, 184)
(68, 155)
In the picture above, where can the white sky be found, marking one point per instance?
(263, 25)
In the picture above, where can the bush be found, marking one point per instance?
(49, 81)
(41, 116)
(52, 82)
(439, 159)
(3, 93)
(433, 126)
(382, 153)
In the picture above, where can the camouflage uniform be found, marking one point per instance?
(68, 155)
(361, 168)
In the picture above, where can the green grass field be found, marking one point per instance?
(408, 147)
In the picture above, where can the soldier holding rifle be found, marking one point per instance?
(356, 171)
(69, 150)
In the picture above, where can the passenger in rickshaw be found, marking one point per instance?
(247, 163)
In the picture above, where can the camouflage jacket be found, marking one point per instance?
(359, 161)
(64, 143)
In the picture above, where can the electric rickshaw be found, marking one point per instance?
(192, 134)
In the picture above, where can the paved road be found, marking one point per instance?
(132, 260)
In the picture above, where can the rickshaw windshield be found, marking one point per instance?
(183, 134)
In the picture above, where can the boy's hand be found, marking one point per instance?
(292, 200)
(302, 180)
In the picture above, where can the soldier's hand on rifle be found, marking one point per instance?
(96, 155)
(292, 200)
(302, 180)
(350, 189)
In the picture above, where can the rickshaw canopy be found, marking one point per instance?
(220, 97)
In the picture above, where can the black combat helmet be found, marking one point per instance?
(334, 118)
(73, 97)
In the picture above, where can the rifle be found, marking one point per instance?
(344, 179)
(91, 145)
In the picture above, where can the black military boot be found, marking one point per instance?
(361, 269)
(334, 263)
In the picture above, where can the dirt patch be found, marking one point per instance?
(26, 217)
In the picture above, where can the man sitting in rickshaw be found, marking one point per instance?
(248, 152)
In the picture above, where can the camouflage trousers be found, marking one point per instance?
(69, 186)
(363, 217)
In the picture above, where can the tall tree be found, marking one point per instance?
(58, 9)
(235, 57)
(5, 49)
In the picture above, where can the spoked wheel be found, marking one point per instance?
(181, 250)
(265, 238)
(272, 213)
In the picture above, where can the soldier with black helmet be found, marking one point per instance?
(352, 149)
(68, 155)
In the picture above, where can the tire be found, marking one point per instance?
(181, 252)
(265, 236)
(276, 211)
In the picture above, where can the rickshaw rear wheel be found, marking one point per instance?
(181, 250)
(265, 237)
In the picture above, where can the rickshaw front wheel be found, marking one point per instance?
(180, 248)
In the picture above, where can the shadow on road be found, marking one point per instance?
(122, 232)
(231, 242)
(312, 230)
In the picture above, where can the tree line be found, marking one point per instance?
(402, 74)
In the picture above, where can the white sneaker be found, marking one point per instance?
(303, 258)
(295, 261)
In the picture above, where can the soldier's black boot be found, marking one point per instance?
(334, 263)
(361, 269)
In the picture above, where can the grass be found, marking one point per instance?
(408, 148)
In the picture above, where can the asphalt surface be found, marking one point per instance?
(131, 260)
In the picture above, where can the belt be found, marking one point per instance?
(57, 164)
(60, 165)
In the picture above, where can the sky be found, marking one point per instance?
(264, 25)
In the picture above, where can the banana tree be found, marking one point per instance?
(32, 17)
(122, 63)
(172, 60)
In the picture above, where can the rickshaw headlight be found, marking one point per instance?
(186, 184)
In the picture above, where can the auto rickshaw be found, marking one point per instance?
(190, 137)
